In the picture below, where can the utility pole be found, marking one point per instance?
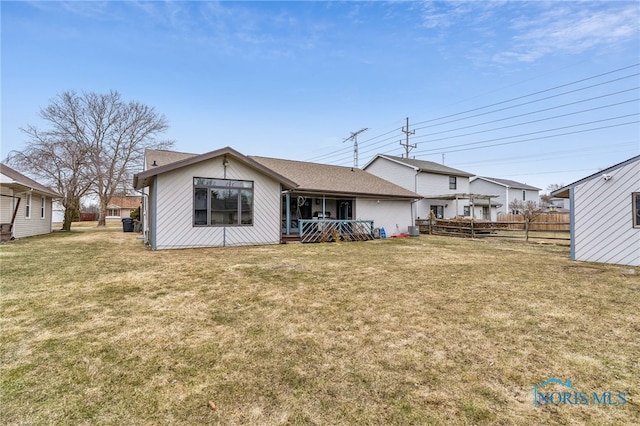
(406, 145)
(354, 138)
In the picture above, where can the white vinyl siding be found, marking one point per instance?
(505, 195)
(173, 197)
(393, 172)
(602, 227)
(24, 227)
(385, 214)
(424, 183)
(7, 204)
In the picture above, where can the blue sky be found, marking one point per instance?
(539, 92)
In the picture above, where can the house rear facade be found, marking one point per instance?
(445, 191)
(224, 198)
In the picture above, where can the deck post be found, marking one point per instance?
(288, 212)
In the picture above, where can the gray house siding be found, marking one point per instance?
(505, 194)
(172, 194)
(602, 227)
(394, 216)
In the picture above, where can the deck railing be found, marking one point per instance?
(326, 230)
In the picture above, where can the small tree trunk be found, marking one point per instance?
(526, 230)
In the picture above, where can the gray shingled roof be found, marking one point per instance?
(163, 163)
(24, 181)
(323, 178)
(310, 177)
(162, 157)
(509, 183)
(425, 166)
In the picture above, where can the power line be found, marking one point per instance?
(531, 121)
(380, 142)
(533, 101)
(448, 150)
(537, 111)
(532, 94)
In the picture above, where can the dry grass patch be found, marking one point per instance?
(96, 329)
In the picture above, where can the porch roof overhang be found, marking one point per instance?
(18, 187)
(16, 181)
(461, 197)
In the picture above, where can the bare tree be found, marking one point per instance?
(93, 143)
(545, 199)
(110, 133)
(530, 210)
(58, 162)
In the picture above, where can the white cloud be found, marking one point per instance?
(571, 29)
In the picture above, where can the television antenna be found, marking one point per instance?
(354, 138)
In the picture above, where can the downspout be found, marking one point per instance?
(415, 189)
(154, 211)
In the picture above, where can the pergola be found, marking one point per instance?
(465, 196)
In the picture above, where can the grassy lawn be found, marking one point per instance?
(96, 329)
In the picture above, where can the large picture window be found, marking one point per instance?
(635, 202)
(220, 202)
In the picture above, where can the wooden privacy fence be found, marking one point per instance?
(545, 222)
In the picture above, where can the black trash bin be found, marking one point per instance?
(127, 224)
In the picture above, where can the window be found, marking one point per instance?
(220, 202)
(635, 197)
(452, 182)
(524, 195)
(27, 207)
(113, 212)
(467, 211)
(43, 206)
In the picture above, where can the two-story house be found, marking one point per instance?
(507, 190)
(446, 190)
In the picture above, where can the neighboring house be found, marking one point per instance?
(507, 190)
(25, 205)
(121, 207)
(605, 214)
(57, 214)
(446, 191)
(224, 198)
(559, 205)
